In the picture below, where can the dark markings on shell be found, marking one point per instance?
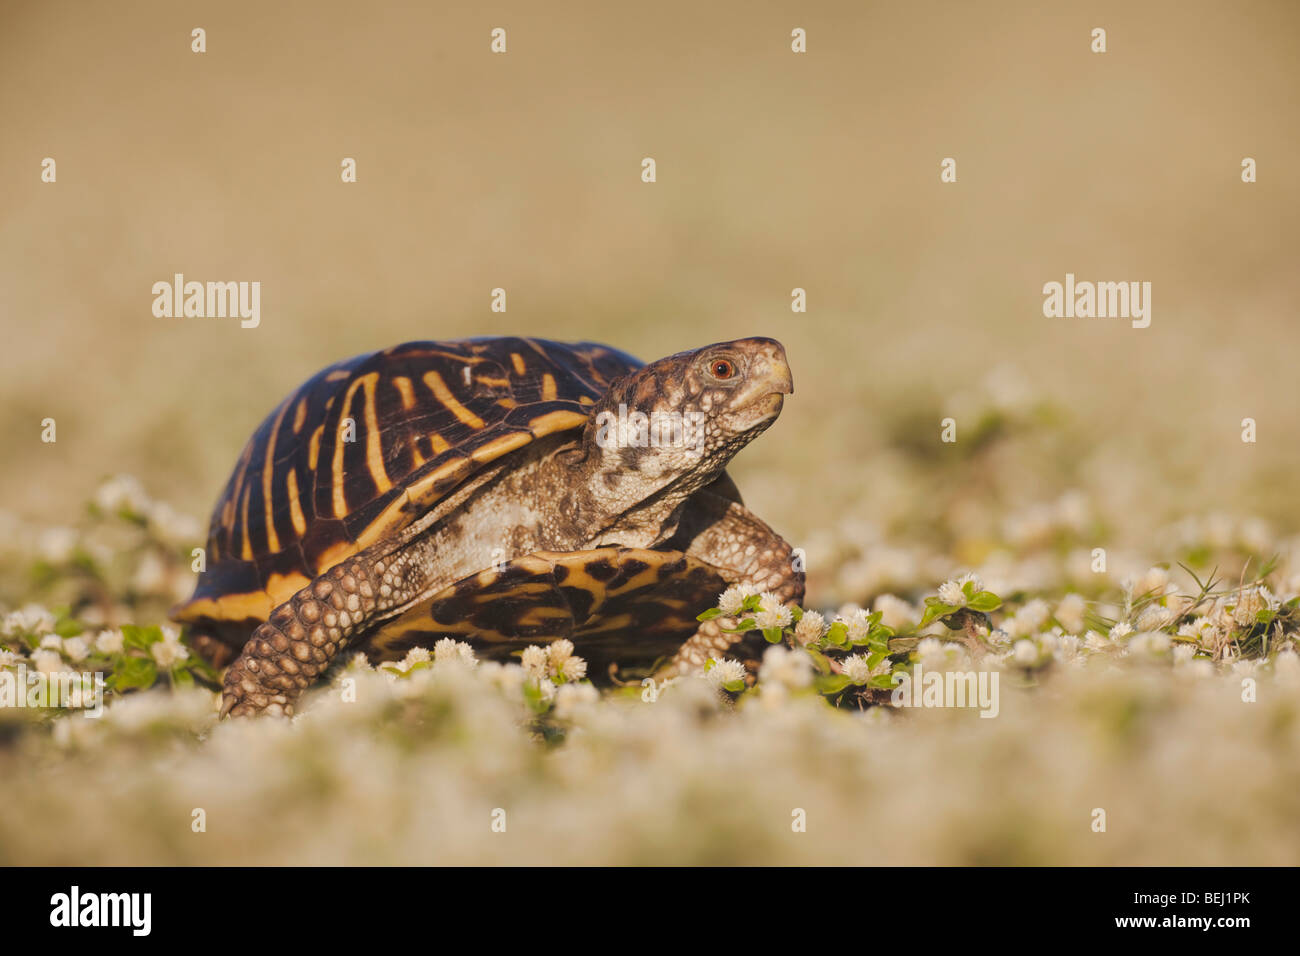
(486, 395)
(537, 602)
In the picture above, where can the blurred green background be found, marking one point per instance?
(775, 170)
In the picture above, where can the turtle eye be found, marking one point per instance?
(722, 369)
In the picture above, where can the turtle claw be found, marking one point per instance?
(247, 696)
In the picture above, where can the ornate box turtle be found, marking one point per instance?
(503, 491)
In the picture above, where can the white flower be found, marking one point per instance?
(109, 642)
(416, 655)
(557, 652)
(448, 649)
(856, 668)
(169, 651)
(1154, 617)
(1025, 652)
(1183, 653)
(1154, 580)
(31, 619)
(1095, 642)
(8, 658)
(772, 613)
(971, 578)
(1250, 602)
(534, 661)
(895, 612)
(76, 648)
(1070, 612)
(547, 689)
(51, 642)
(1122, 629)
(1068, 647)
(573, 669)
(732, 598)
(786, 668)
(931, 649)
(810, 628)
(47, 662)
(122, 492)
(858, 625)
(951, 594)
(1029, 619)
(725, 672)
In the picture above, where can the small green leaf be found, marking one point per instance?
(773, 635)
(820, 661)
(139, 638)
(134, 673)
(985, 601)
(832, 683)
(709, 615)
(936, 611)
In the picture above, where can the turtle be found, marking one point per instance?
(500, 490)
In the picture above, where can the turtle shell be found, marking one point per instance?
(593, 598)
(367, 446)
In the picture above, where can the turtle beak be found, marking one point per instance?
(768, 375)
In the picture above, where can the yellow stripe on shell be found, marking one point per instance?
(295, 506)
(247, 550)
(268, 475)
(374, 448)
(449, 401)
(405, 390)
(313, 447)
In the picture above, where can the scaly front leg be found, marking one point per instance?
(744, 550)
(295, 646)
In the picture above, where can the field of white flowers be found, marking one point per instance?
(1100, 536)
(1156, 720)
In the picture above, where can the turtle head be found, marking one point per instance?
(675, 424)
